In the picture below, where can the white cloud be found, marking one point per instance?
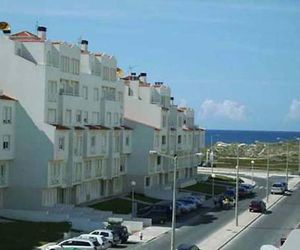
(294, 112)
(227, 109)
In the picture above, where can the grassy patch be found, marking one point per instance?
(224, 180)
(118, 206)
(142, 197)
(28, 235)
(206, 188)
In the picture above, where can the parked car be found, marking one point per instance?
(191, 204)
(257, 206)
(104, 243)
(195, 199)
(121, 230)
(111, 235)
(230, 193)
(159, 213)
(278, 188)
(183, 207)
(179, 209)
(285, 185)
(76, 243)
(248, 187)
(187, 247)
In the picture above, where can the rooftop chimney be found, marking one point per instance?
(42, 32)
(143, 77)
(84, 45)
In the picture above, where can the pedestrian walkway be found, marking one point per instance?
(149, 233)
(221, 237)
(225, 234)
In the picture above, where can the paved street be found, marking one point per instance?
(201, 224)
(271, 227)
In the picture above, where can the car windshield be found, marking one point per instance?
(277, 185)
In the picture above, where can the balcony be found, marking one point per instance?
(3, 181)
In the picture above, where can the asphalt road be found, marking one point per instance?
(282, 218)
(199, 225)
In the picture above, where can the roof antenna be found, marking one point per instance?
(79, 39)
(36, 26)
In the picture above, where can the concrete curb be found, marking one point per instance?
(211, 242)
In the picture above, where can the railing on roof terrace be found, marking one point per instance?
(64, 92)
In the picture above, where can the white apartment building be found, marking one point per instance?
(7, 137)
(71, 145)
(159, 126)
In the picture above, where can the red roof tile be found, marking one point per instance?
(60, 127)
(26, 36)
(6, 97)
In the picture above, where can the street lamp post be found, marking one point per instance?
(175, 159)
(298, 139)
(237, 185)
(133, 183)
(174, 205)
(252, 163)
(287, 164)
(268, 171)
(213, 186)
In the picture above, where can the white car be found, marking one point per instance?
(76, 243)
(278, 188)
(101, 239)
(110, 235)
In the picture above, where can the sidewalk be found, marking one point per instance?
(221, 237)
(225, 234)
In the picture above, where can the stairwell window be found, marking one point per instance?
(7, 114)
(163, 140)
(179, 139)
(6, 142)
(61, 143)
(147, 181)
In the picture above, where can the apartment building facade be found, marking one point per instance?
(161, 130)
(7, 137)
(72, 146)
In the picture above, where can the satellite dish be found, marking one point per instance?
(120, 73)
(4, 26)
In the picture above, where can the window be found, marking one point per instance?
(75, 66)
(147, 181)
(93, 142)
(52, 91)
(96, 118)
(86, 117)
(7, 114)
(116, 119)
(164, 121)
(6, 142)
(108, 118)
(78, 116)
(179, 139)
(2, 171)
(113, 74)
(96, 94)
(163, 140)
(179, 121)
(68, 116)
(105, 73)
(61, 143)
(52, 115)
(98, 167)
(127, 140)
(158, 160)
(65, 64)
(85, 92)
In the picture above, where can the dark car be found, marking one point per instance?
(187, 247)
(257, 206)
(159, 213)
(122, 231)
(243, 192)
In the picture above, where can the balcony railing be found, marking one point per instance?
(3, 181)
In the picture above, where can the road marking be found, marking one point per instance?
(261, 187)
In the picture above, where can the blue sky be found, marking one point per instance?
(237, 63)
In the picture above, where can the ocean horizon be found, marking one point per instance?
(248, 136)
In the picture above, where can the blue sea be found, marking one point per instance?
(245, 136)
